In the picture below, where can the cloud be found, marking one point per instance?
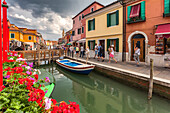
(50, 25)
(22, 17)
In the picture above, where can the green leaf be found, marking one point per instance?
(3, 101)
(15, 104)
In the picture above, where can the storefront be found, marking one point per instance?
(163, 42)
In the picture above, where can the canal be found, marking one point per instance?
(97, 94)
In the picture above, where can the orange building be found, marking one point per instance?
(148, 27)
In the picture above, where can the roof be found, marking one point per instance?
(102, 8)
(13, 29)
(27, 32)
(87, 8)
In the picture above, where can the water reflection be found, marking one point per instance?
(97, 94)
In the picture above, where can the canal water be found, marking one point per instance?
(97, 94)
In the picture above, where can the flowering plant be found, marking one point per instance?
(22, 92)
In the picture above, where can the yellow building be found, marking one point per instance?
(105, 27)
(28, 36)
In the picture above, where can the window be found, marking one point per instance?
(79, 18)
(91, 44)
(91, 25)
(113, 19)
(136, 13)
(114, 42)
(82, 16)
(12, 35)
(79, 31)
(166, 8)
(73, 33)
(73, 21)
(29, 38)
(82, 30)
(92, 9)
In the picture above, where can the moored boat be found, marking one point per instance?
(74, 66)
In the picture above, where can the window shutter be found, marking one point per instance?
(166, 6)
(143, 10)
(93, 24)
(108, 20)
(94, 44)
(108, 43)
(128, 12)
(117, 45)
(89, 44)
(88, 25)
(117, 17)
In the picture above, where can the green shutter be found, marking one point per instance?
(89, 44)
(117, 17)
(88, 25)
(93, 24)
(166, 6)
(128, 12)
(108, 20)
(94, 44)
(143, 10)
(117, 45)
(108, 43)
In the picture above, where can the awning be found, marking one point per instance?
(72, 42)
(135, 11)
(163, 29)
(82, 40)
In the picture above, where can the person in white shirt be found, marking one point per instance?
(87, 54)
(136, 55)
(96, 50)
(112, 54)
(81, 51)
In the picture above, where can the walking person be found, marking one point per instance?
(100, 53)
(87, 54)
(77, 51)
(136, 55)
(71, 51)
(81, 51)
(112, 54)
(96, 50)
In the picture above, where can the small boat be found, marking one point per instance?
(75, 66)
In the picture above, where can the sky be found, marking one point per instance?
(49, 17)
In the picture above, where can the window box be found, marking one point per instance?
(137, 10)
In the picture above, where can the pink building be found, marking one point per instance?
(79, 22)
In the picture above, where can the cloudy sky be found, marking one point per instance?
(49, 17)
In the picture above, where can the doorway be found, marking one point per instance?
(102, 42)
(139, 41)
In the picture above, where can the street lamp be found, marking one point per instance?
(123, 3)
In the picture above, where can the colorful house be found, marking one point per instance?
(148, 27)
(79, 22)
(104, 26)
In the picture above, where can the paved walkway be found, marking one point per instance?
(159, 72)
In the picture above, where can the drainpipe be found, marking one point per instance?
(124, 33)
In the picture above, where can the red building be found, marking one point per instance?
(79, 22)
(148, 27)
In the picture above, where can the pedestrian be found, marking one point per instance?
(71, 50)
(96, 50)
(112, 54)
(87, 54)
(81, 51)
(68, 50)
(100, 53)
(136, 55)
(77, 51)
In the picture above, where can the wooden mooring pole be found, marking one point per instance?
(49, 61)
(150, 80)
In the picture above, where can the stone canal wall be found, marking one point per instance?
(138, 80)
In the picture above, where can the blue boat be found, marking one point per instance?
(75, 66)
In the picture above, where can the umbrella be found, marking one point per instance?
(69, 44)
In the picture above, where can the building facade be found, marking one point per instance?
(104, 26)
(79, 22)
(148, 27)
